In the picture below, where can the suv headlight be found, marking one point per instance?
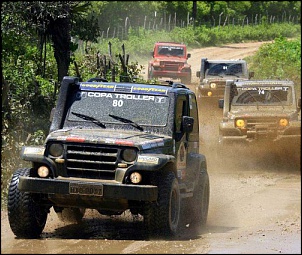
(213, 85)
(129, 155)
(56, 149)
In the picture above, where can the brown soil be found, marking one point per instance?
(255, 200)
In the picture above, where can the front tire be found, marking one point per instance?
(150, 73)
(162, 218)
(26, 217)
(199, 203)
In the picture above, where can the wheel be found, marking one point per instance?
(186, 80)
(150, 73)
(199, 203)
(71, 215)
(162, 218)
(26, 217)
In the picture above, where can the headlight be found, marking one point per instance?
(136, 177)
(283, 122)
(129, 155)
(240, 123)
(213, 85)
(43, 171)
(56, 149)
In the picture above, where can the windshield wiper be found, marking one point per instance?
(132, 123)
(231, 73)
(92, 119)
(256, 101)
(281, 102)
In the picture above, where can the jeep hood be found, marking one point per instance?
(131, 138)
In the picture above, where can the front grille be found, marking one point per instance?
(91, 161)
(171, 66)
(262, 128)
(268, 123)
(220, 84)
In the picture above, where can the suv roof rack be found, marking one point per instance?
(176, 84)
(97, 79)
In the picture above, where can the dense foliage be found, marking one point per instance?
(278, 60)
(31, 68)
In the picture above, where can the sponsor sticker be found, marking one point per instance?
(148, 159)
(33, 151)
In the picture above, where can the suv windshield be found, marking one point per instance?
(268, 95)
(220, 69)
(133, 107)
(170, 51)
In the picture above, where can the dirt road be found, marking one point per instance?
(255, 201)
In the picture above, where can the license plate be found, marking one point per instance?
(86, 189)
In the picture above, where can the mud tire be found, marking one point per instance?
(163, 218)
(199, 203)
(26, 217)
(187, 80)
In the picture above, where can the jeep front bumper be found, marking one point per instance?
(88, 189)
(228, 133)
(209, 92)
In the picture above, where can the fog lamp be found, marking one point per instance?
(209, 93)
(240, 123)
(43, 171)
(283, 122)
(136, 177)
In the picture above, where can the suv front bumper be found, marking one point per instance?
(235, 134)
(209, 92)
(88, 189)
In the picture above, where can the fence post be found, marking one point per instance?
(126, 27)
(145, 20)
(219, 19)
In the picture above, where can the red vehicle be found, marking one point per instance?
(170, 60)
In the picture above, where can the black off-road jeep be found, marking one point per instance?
(260, 110)
(115, 147)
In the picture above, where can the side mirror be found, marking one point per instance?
(220, 103)
(198, 74)
(187, 124)
(188, 55)
(251, 74)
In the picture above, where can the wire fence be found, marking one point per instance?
(168, 23)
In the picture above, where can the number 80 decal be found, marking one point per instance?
(117, 103)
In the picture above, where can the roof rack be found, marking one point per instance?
(97, 79)
(176, 84)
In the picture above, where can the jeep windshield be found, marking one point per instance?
(262, 95)
(116, 108)
(223, 69)
(171, 51)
